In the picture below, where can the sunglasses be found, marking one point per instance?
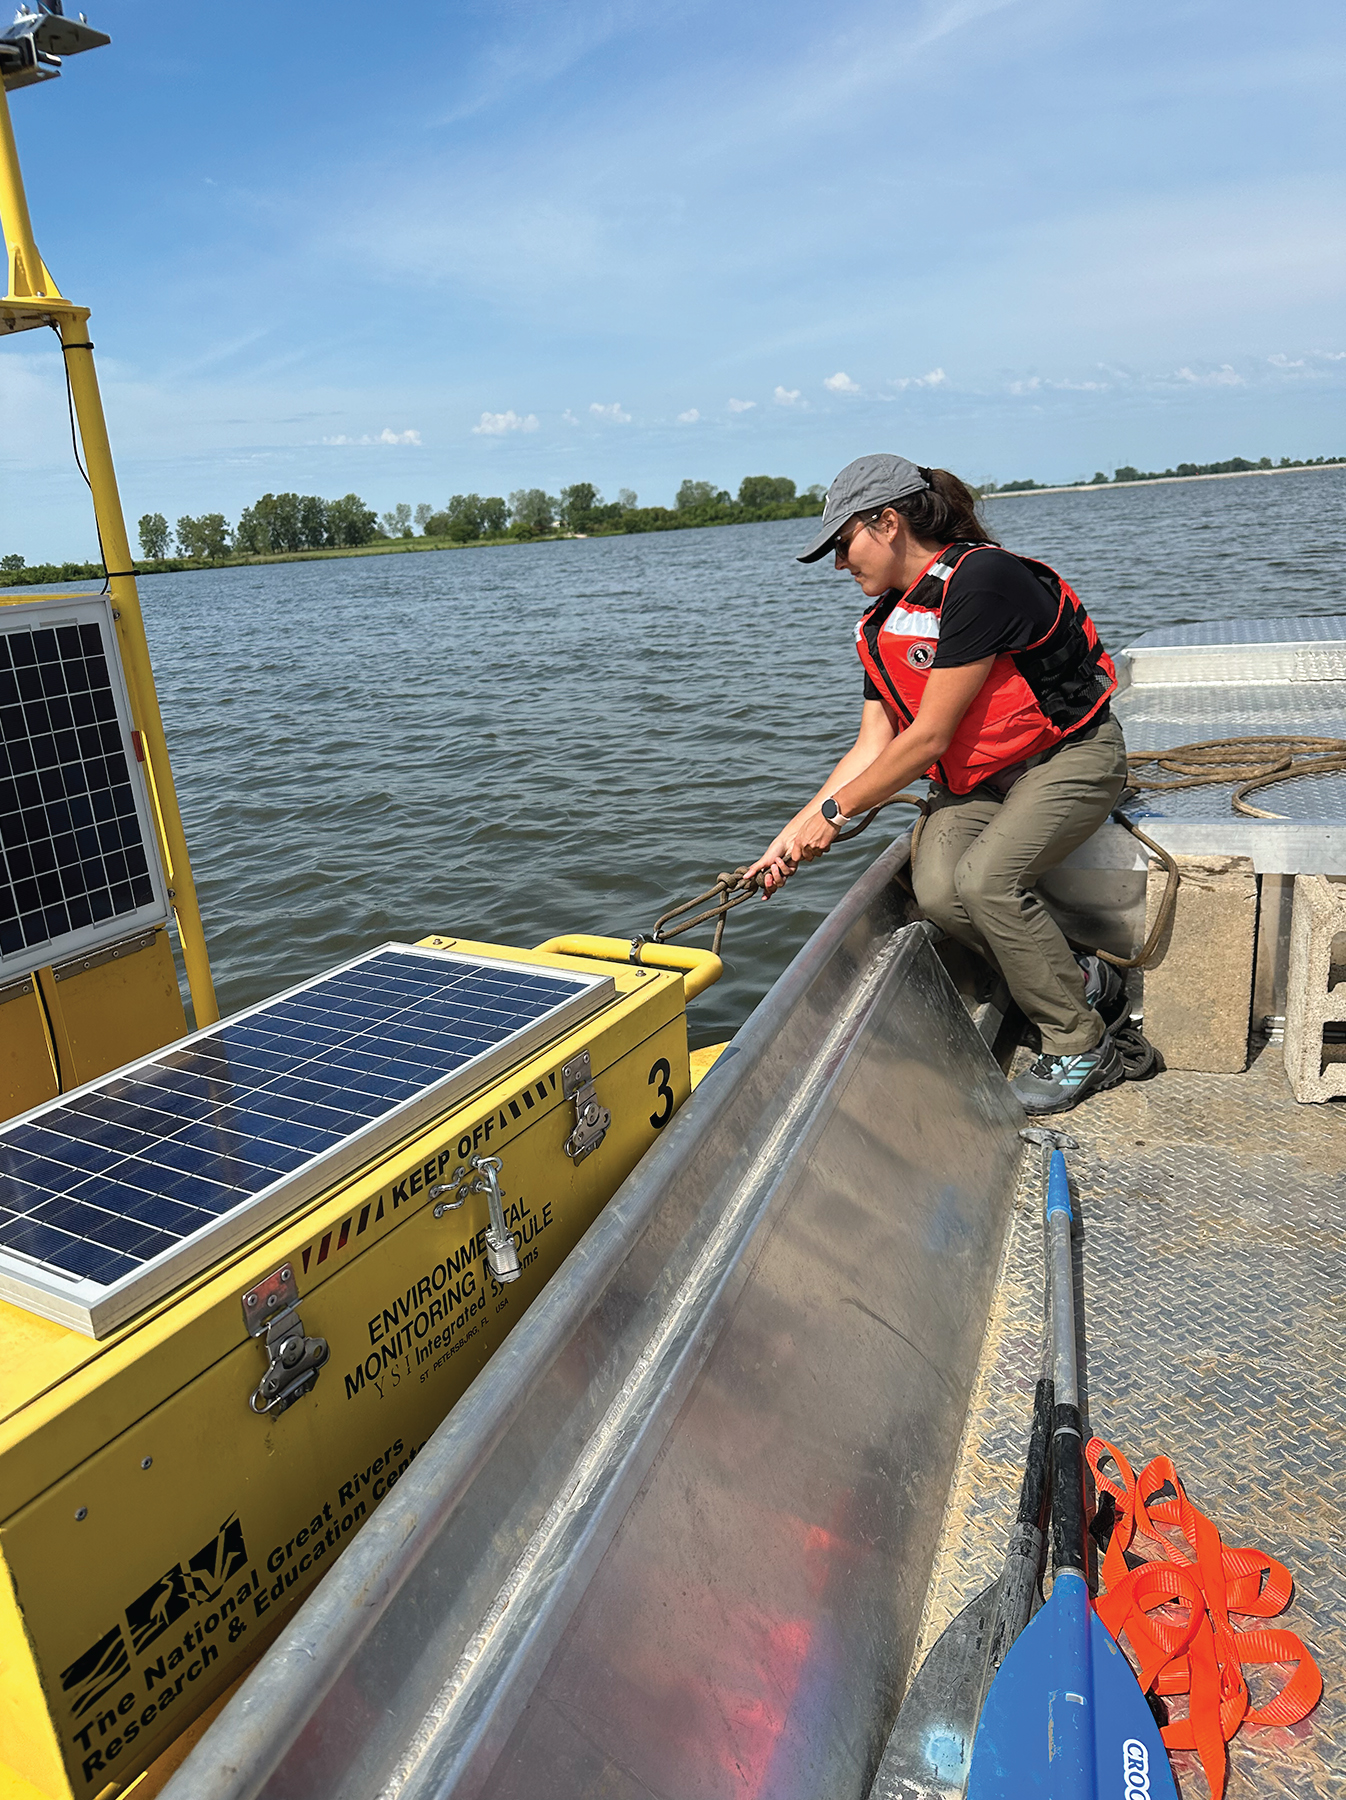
(842, 544)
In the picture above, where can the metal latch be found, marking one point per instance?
(591, 1119)
(502, 1255)
(271, 1310)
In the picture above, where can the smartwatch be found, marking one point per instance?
(833, 813)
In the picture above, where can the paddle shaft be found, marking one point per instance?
(1067, 1433)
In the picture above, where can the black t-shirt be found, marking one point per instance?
(992, 604)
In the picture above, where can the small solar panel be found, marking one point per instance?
(114, 1194)
(78, 866)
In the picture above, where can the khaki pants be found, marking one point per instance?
(979, 856)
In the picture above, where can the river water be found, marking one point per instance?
(508, 743)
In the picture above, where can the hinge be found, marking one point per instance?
(271, 1310)
(591, 1119)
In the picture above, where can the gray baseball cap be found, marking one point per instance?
(862, 485)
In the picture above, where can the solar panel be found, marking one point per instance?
(78, 864)
(114, 1194)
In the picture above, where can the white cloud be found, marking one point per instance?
(386, 436)
(738, 406)
(613, 414)
(496, 424)
(568, 417)
(841, 383)
(1281, 361)
(787, 396)
(1029, 385)
(1332, 355)
(936, 378)
(1225, 376)
(689, 417)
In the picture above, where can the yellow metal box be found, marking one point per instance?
(154, 1529)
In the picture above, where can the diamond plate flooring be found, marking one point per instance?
(1211, 1260)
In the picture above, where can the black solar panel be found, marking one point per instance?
(74, 852)
(112, 1195)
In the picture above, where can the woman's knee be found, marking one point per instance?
(932, 881)
(978, 885)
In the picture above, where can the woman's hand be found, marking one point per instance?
(799, 842)
(814, 838)
(776, 864)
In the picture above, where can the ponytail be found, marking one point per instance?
(943, 513)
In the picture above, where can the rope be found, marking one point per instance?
(1252, 762)
(731, 890)
(1163, 917)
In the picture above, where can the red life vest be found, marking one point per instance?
(1031, 698)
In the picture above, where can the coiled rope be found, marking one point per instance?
(1252, 762)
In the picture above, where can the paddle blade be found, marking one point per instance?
(1065, 1717)
(931, 1744)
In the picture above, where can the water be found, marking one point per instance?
(510, 743)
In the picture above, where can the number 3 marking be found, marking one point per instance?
(661, 1072)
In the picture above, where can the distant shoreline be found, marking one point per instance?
(1122, 487)
(416, 546)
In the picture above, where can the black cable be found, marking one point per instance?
(74, 445)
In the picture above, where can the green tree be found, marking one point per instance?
(351, 522)
(762, 491)
(1099, 479)
(693, 495)
(11, 564)
(494, 516)
(532, 512)
(277, 523)
(577, 504)
(627, 499)
(463, 518)
(315, 531)
(817, 492)
(205, 539)
(250, 537)
(153, 536)
(397, 523)
(424, 513)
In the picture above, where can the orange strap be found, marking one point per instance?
(1194, 1649)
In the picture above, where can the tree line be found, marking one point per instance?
(276, 523)
(281, 524)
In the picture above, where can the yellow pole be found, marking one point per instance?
(26, 275)
(107, 506)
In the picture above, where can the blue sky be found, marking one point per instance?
(427, 250)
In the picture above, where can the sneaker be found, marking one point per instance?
(1104, 989)
(1056, 1083)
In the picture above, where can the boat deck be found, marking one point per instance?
(1211, 1262)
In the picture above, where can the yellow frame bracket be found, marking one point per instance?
(700, 969)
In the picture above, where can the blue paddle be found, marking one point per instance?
(1065, 1717)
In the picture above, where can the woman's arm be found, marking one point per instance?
(907, 755)
(877, 731)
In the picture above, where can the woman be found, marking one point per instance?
(984, 672)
